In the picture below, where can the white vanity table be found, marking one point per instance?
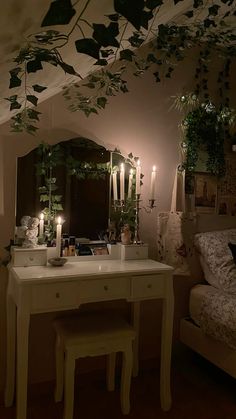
(41, 289)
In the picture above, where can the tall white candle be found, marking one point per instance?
(122, 182)
(41, 224)
(153, 182)
(114, 180)
(130, 183)
(138, 174)
(58, 237)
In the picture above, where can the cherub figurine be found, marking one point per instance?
(21, 230)
(31, 239)
(125, 234)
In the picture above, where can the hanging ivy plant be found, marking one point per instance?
(106, 42)
(207, 128)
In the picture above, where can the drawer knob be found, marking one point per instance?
(57, 295)
(149, 286)
(105, 288)
(31, 258)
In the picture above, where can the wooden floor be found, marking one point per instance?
(199, 391)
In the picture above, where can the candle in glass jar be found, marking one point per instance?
(130, 183)
(138, 175)
(114, 180)
(58, 236)
(122, 182)
(41, 224)
(153, 183)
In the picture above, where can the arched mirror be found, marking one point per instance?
(77, 175)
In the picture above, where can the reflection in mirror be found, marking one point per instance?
(76, 175)
(123, 187)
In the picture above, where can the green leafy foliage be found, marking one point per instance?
(205, 128)
(59, 13)
(104, 82)
(103, 42)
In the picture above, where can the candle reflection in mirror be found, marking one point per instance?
(130, 183)
(138, 174)
(122, 182)
(41, 224)
(114, 184)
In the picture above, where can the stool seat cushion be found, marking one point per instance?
(92, 327)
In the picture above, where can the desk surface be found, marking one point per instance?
(83, 269)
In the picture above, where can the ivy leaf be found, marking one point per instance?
(15, 81)
(15, 105)
(152, 4)
(105, 36)
(68, 68)
(60, 13)
(209, 22)
(33, 66)
(146, 16)
(213, 10)
(11, 98)
(131, 9)
(33, 99)
(101, 102)
(126, 54)
(197, 3)
(88, 46)
(33, 114)
(189, 14)
(37, 88)
(101, 62)
(113, 17)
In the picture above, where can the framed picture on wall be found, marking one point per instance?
(205, 192)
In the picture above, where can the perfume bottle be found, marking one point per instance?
(72, 246)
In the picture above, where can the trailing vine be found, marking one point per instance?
(206, 127)
(203, 25)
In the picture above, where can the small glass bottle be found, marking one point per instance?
(72, 246)
(66, 248)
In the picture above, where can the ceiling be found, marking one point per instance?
(20, 19)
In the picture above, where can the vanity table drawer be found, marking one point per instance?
(54, 296)
(148, 286)
(104, 289)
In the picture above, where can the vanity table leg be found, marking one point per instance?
(10, 356)
(166, 347)
(136, 325)
(23, 317)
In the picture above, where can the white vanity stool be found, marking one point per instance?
(92, 334)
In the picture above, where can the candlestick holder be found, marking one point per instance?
(148, 209)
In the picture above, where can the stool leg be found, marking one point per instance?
(111, 365)
(59, 354)
(127, 366)
(69, 386)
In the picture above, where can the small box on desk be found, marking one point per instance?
(133, 251)
(36, 256)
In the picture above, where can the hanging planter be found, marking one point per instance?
(206, 128)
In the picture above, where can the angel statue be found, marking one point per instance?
(31, 239)
(21, 230)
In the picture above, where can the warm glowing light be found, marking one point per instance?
(59, 220)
